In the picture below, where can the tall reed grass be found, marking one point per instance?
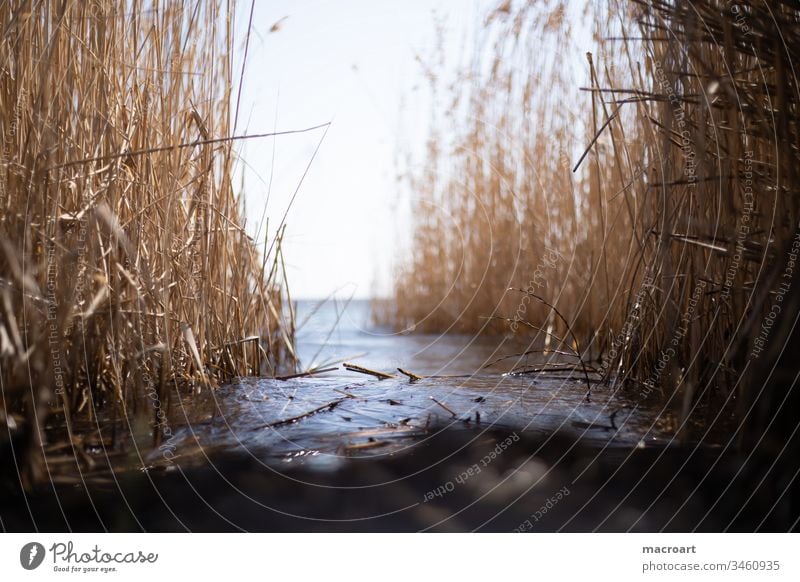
(125, 269)
(501, 212)
(647, 191)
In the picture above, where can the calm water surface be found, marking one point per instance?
(330, 417)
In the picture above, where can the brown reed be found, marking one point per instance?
(125, 270)
(665, 240)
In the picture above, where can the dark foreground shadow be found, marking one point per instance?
(460, 480)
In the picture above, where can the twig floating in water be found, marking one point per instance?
(346, 394)
(447, 408)
(329, 406)
(306, 373)
(412, 377)
(362, 370)
(593, 425)
(557, 367)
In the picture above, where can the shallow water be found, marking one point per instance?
(341, 331)
(324, 419)
(485, 451)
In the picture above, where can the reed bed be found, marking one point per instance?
(502, 217)
(126, 273)
(647, 191)
(725, 216)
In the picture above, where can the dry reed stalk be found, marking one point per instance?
(518, 217)
(124, 264)
(729, 179)
(665, 249)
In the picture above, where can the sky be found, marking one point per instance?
(351, 63)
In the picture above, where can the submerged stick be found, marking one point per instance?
(592, 425)
(329, 406)
(447, 408)
(363, 370)
(362, 446)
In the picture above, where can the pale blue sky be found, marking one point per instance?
(350, 62)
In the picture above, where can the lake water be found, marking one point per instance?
(336, 331)
(327, 418)
(466, 447)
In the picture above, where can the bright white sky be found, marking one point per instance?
(350, 62)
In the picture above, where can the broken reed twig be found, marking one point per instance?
(312, 372)
(594, 139)
(362, 370)
(178, 146)
(345, 394)
(547, 368)
(325, 407)
(119, 202)
(529, 352)
(411, 376)
(447, 408)
(695, 109)
(563, 319)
